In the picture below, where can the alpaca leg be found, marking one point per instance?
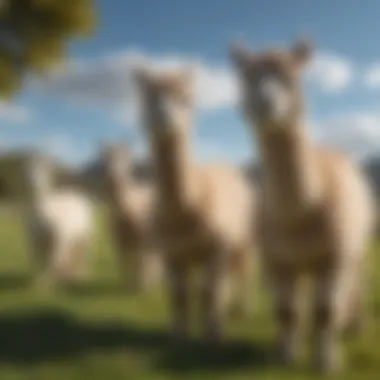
(38, 258)
(147, 268)
(136, 261)
(356, 314)
(216, 294)
(40, 264)
(80, 256)
(152, 270)
(123, 263)
(55, 268)
(332, 289)
(179, 299)
(242, 275)
(356, 305)
(40, 248)
(65, 263)
(285, 301)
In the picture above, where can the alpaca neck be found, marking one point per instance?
(174, 171)
(37, 197)
(117, 189)
(292, 179)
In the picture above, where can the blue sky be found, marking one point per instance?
(88, 101)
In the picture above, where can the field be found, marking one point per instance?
(97, 331)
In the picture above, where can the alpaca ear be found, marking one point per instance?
(240, 55)
(303, 51)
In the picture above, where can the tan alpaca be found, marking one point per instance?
(317, 206)
(140, 264)
(59, 224)
(202, 213)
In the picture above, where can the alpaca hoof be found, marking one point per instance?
(287, 353)
(325, 368)
(286, 358)
(326, 364)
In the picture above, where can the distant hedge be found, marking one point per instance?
(12, 179)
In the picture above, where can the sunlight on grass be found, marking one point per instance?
(98, 331)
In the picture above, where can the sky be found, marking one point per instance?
(89, 100)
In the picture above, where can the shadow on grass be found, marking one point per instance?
(44, 335)
(14, 281)
(22, 281)
(96, 289)
(227, 356)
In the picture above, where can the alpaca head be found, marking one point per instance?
(271, 84)
(115, 161)
(166, 101)
(38, 173)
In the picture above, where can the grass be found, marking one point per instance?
(99, 332)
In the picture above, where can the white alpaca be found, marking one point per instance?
(59, 224)
(317, 215)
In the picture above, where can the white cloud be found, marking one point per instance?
(357, 134)
(107, 81)
(372, 77)
(216, 88)
(331, 73)
(62, 147)
(14, 113)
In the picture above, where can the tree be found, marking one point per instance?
(34, 35)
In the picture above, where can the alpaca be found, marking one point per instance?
(202, 214)
(316, 216)
(59, 223)
(140, 263)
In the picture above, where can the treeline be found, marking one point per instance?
(89, 178)
(12, 175)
